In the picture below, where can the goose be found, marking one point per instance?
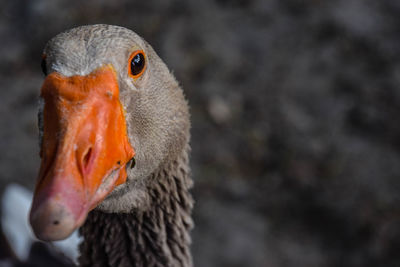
(114, 146)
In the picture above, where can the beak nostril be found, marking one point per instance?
(86, 158)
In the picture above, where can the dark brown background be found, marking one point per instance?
(294, 106)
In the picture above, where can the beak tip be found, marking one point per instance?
(52, 221)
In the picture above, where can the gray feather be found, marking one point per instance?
(147, 220)
(158, 236)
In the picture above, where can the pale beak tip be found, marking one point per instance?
(51, 221)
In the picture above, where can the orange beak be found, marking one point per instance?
(84, 151)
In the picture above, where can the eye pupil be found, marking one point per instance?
(43, 65)
(137, 64)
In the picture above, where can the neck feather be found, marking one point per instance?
(157, 236)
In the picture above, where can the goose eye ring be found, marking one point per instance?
(137, 64)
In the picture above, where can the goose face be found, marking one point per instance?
(106, 99)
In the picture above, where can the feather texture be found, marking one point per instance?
(157, 236)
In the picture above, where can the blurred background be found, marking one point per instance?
(295, 131)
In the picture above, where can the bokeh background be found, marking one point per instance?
(295, 118)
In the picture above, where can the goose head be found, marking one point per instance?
(107, 102)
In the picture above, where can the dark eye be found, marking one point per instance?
(137, 64)
(44, 65)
